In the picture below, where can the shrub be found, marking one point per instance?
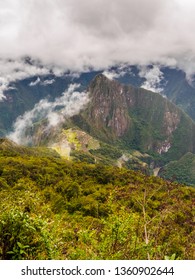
(23, 237)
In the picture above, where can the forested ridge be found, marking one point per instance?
(54, 209)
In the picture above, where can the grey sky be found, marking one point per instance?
(75, 34)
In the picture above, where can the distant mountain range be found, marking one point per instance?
(24, 94)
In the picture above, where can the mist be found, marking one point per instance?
(54, 113)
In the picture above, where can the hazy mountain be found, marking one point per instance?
(22, 95)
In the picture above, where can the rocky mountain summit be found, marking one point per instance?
(134, 118)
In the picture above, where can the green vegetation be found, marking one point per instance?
(54, 209)
(182, 171)
(130, 118)
(107, 151)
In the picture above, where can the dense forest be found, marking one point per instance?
(56, 209)
(182, 171)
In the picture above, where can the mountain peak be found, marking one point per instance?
(108, 105)
(136, 118)
(100, 80)
(100, 76)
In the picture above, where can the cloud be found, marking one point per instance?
(77, 35)
(48, 82)
(36, 82)
(113, 74)
(153, 78)
(44, 83)
(67, 105)
(12, 70)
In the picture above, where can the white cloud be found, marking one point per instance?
(70, 103)
(36, 82)
(117, 72)
(44, 83)
(4, 85)
(76, 35)
(153, 78)
(13, 70)
(48, 82)
(112, 74)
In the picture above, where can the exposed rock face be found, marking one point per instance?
(136, 118)
(164, 147)
(171, 121)
(109, 106)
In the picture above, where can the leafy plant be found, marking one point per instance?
(23, 237)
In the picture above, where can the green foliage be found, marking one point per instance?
(182, 171)
(23, 237)
(171, 257)
(80, 156)
(53, 209)
(107, 151)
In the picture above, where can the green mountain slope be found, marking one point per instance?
(54, 209)
(182, 171)
(10, 148)
(74, 144)
(122, 126)
(133, 118)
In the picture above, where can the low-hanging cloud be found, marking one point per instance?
(114, 73)
(44, 83)
(13, 70)
(55, 113)
(153, 78)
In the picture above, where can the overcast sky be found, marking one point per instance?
(76, 34)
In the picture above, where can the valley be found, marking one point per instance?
(95, 183)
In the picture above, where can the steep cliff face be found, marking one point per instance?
(136, 118)
(108, 109)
